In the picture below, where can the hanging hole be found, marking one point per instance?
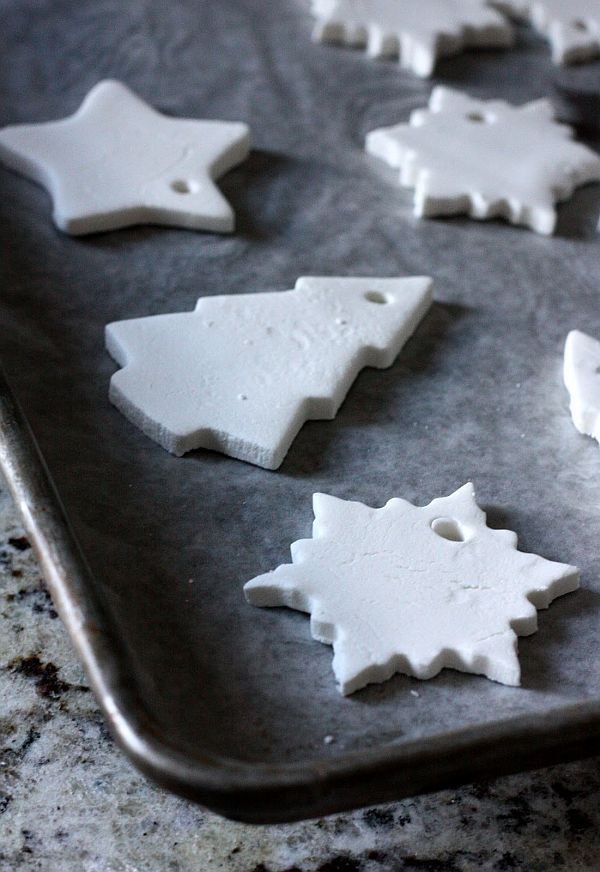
(476, 116)
(184, 186)
(376, 297)
(578, 24)
(450, 529)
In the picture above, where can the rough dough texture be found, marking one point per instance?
(414, 590)
(118, 162)
(486, 159)
(582, 379)
(418, 32)
(242, 373)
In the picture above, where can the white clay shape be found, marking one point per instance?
(118, 162)
(418, 32)
(572, 27)
(486, 159)
(582, 379)
(413, 590)
(241, 374)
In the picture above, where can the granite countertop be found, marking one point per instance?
(69, 799)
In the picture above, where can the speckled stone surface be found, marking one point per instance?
(69, 800)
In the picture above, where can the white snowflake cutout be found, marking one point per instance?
(417, 31)
(241, 374)
(413, 590)
(486, 159)
(118, 162)
(582, 379)
(571, 26)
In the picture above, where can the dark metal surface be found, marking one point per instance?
(223, 703)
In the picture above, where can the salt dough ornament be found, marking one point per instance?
(571, 26)
(242, 373)
(486, 159)
(582, 379)
(417, 31)
(118, 162)
(413, 590)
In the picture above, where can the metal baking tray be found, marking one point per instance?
(146, 554)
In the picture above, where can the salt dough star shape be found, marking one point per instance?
(486, 159)
(417, 31)
(413, 590)
(242, 373)
(118, 162)
(571, 26)
(582, 379)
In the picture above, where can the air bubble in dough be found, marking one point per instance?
(486, 158)
(118, 162)
(414, 589)
(242, 373)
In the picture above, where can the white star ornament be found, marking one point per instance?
(118, 162)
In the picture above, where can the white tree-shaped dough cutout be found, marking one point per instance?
(243, 372)
(486, 159)
(414, 589)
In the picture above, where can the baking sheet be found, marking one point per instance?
(476, 394)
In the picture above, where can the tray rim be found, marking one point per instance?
(244, 791)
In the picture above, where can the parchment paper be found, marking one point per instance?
(476, 394)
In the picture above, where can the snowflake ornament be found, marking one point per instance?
(118, 162)
(413, 590)
(572, 27)
(242, 373)
(418, 32)
(486, 159)
(582, 380)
